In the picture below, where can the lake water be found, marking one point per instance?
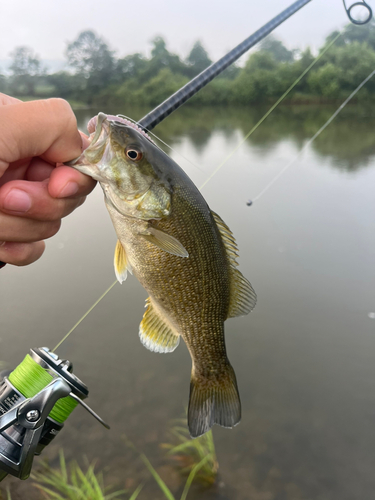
(304, 358)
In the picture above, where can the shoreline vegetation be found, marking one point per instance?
(96, 77)
(192, 461)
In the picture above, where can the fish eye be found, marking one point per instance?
(133, 154)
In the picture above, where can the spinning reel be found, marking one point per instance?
(35, 400)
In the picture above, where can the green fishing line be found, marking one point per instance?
(29, 378)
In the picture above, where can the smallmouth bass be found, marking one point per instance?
(182, 253)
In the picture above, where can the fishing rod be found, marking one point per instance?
(186, 92)
(177, 99)
(41, 392)
(362, 4)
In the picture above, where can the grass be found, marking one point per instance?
(187, 453)
(71, 483)
(195, 458)
(167, 492)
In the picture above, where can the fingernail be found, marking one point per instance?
(70, 189)
(17, 201)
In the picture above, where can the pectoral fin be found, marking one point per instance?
(121, 263)
(155, 333)
(242, 295)
(165, 242)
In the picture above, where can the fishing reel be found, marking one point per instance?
(35, 400)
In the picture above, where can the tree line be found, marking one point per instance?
(97, 77)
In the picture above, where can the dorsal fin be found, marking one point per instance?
(242, 295)
(155, 333)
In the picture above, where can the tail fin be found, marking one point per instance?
(213, 400)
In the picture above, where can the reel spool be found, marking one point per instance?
(35, 400)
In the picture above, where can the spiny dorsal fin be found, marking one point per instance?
(121, 263)
(165, 242)
(242, 295)
(155, 333)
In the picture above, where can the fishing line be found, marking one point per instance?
(224, 161)
(84, 316)
(272, 108)
(236, 148)
(114, 283)
(29, 378)
(309, 142)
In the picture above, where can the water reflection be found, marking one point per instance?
(348, 141)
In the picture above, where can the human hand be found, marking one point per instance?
(36, 191)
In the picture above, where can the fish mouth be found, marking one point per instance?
(117, 120)
(101, 126)
(98, 128)
(99, 131)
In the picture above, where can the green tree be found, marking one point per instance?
(260, 61)
(355, 33)
(130, 67)
(91, 57)
(352, 62)
(26, 68)
(161, 58)
(305, 58)
(154, 91)
(325, 81)
(67, 85)
(258, 80)
(198, 59)
(277, 49)
(159, 50)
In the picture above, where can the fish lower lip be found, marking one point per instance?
(71, 163)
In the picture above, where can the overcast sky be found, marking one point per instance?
(128, 26)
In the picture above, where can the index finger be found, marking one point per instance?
(46, 128)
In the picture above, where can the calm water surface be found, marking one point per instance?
(304, 358)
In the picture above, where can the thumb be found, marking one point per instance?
(46, 128)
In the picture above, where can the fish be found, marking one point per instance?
(182, 253)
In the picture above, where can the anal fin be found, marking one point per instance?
(155, 333)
